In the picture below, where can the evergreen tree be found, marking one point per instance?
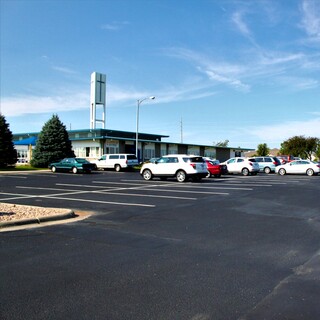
(8, 154)
(53, 144)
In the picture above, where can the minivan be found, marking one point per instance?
(117, 161)
(267, 164)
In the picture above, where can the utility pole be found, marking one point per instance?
(181, 130)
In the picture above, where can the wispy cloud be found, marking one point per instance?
(63, 70)
(20, 105)
(239, 22)
(280, 132)
(217, 72)
(311, 18)
(114, 26)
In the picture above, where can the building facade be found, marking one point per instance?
(93, 143)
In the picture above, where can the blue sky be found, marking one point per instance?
(246, 71)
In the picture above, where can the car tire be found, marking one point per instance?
(282, 172)
(117, 167)
(53, 169)
(208, 174)
(245, 171)
(147, 174)
(310, 172)
(181, 176)
(74, 170)
(267, 170)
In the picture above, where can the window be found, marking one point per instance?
(267, 159)
(114, 156)
(259, 159)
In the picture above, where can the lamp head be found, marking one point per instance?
(152, 98)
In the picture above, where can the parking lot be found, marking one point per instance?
(225, 248)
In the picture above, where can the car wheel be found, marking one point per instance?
(74, 170)
(245, 171)
(208, 174)
(267, 170)
(282, 172)
(181, 176)
(310, 172)
(53, 169)
(147, 175)
(117, 167)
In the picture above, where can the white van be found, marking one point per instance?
(116, 161)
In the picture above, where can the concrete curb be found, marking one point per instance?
(39, 220)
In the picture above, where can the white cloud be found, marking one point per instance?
(282, 131)
(114, 26)
(237, 18)
(20, 105)
(311, 18)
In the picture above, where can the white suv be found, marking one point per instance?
(180, 166)
(242, 165)
(116, 161)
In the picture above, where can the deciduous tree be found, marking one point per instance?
(300, 146)
(262, 149)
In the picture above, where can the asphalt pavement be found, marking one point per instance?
(230, 248)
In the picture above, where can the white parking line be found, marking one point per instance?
(153, 186)
(105, 192)
(57, 196)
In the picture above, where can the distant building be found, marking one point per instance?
(92, 143)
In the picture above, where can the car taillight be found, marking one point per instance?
(250, 163)
(193, 165)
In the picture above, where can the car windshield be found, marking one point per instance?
(81, 160)
(214, 162)
(131, 157)
(193, 159)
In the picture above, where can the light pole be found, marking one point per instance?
(137, 131)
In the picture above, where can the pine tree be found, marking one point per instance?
(8, 154)
(53, 144)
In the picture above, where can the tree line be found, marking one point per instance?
(54, 144)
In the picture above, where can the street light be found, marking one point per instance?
(137, 131)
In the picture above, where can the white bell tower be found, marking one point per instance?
(97, 97)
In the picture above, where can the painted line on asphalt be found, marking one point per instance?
(107, 192)
(60, 196)
(104, 202)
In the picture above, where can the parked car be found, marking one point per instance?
(116, 161)
(215, 168)
(242, 165)
(180, 166)
(285, 158)
(74, 165)
(299, 167)
(267, 164)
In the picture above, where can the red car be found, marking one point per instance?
(285, 158)
(215, 168)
